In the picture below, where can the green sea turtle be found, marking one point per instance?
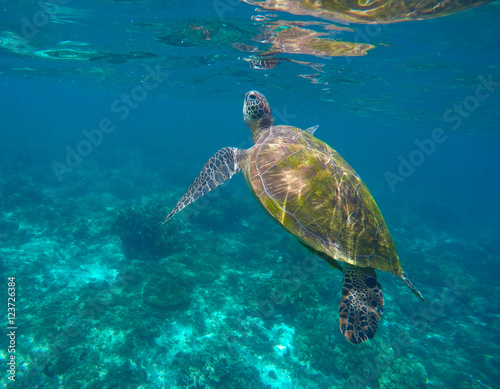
(311, 191)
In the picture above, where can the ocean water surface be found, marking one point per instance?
(108, 111)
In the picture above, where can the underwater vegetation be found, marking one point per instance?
(165, 293)
(142, 236)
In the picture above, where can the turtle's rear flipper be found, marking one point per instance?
(361, 305)
(223, 165)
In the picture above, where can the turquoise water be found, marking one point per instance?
(109, 110)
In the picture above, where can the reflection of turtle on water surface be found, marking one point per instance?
(370, 11)
(203, 32)
(311, 191)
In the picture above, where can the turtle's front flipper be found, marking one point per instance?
(223, 165)
(361, 305)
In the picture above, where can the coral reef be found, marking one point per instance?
(221, 370)
(404, 372)
(165, 294)
(147, 329)
(142, 235)
(229, 246)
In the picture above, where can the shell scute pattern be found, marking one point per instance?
(309, 189)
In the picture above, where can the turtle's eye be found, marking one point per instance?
(251, 96)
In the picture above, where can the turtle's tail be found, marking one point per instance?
(412, 287)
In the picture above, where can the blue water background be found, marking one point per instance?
(374, 110)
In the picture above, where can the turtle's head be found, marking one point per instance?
(257, 113)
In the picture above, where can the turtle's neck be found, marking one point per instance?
(260, 126)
